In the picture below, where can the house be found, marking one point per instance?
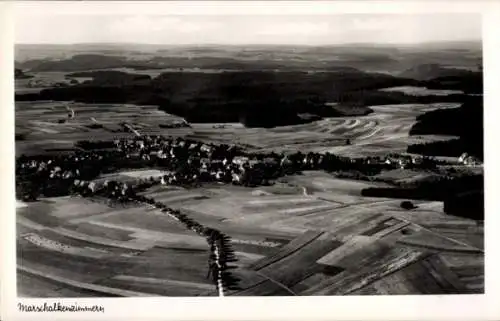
(462, 158)
(472, 161)
(236, 178)
(205, 148)
(240, 160)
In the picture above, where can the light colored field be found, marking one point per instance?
(75, 207)
(183, 197)
(403, 175)
(353, 244)
(154, 237)
(20, 204)
(237, 208)
(422, 91)
(141, 174)
(261, 243)
(245, 258)
(323, 182)
(134, 245)
(137, 219)
(384, 130)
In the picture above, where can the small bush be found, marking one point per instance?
(407, 205)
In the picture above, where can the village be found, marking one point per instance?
(189, 162)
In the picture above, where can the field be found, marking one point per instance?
(42, 120)
(385, 130)
(138, 251)
(287, 241)
(422, 91)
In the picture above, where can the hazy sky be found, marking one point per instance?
(251, 29)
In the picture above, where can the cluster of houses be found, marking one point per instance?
(60, 167)
(468, 160)
(187, 162)
(43, 83)
(403, 161)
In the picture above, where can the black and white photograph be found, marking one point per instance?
(178, 155)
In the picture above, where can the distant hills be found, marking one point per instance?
(366, 57)
(250, 83)
(432, 71)
(85, 62)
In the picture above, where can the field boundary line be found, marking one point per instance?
(442, 236)
(281, 285)
(290, 253)
(433, 247)
(453, 240)
(235, 293)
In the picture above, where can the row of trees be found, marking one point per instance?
(221, 254)
(451, 148)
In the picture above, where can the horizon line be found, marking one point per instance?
(479, 41)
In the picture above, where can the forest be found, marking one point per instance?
(466, 122)
(256, 98)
